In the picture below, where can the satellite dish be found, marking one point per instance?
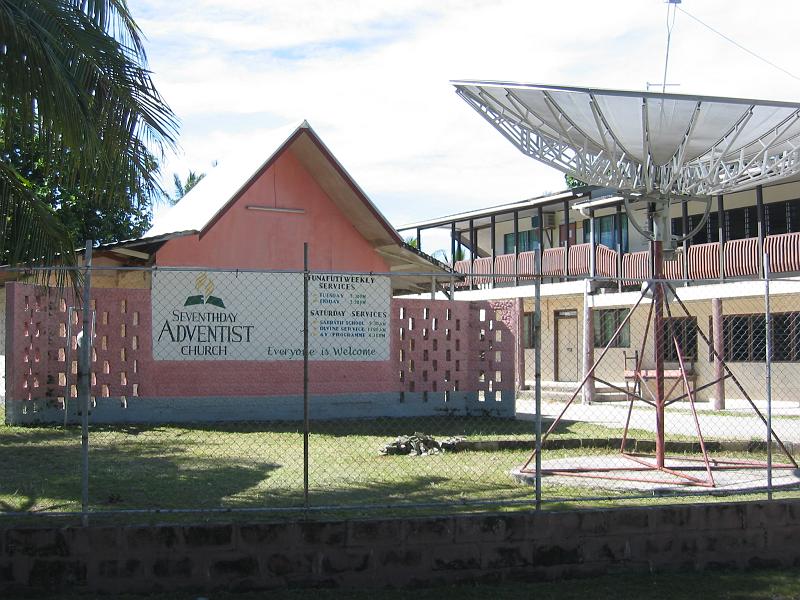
(657, 149)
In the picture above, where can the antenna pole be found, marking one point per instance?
(670, 4)
(658, 346)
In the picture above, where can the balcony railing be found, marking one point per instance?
(740, 259)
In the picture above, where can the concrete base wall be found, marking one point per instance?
(268, 408)
(399, 552)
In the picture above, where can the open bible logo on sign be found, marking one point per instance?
(206, 328)
(203, 283)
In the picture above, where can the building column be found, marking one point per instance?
(540, 233)
(592, 246)
(565, 241)
(516, 247)
(472, 253)
(453, 244)
(494, 249)
(762, 227)
(618, 228)
(588, 342)
(719, 348)
(721, 235)
(685, 245)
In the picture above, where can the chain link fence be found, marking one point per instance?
(226, 390)
(642, 398)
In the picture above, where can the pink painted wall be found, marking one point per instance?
(244, 238)
(454, 346)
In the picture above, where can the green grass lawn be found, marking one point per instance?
(256, 465)
(711, 585)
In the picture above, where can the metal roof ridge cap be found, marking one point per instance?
(354, 185)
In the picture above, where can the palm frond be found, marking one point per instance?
(74, 83)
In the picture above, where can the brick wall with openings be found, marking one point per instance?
(41, 342)
(446, 346)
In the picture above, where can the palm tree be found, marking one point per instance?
(412, 241)
(76, 91)
(182, 187)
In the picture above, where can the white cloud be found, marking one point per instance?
(372, 78)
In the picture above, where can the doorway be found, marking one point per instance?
(565, 233)
(566, 345)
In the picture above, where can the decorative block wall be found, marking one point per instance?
(42, 351)
(449, 346)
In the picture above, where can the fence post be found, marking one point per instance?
(305, 376)
(537, 371)
(68, 363)
(85, 361)
(768, 377)
(718, 341)
(588, 341)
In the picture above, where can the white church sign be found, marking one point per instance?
(259, 316)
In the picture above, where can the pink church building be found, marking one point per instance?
(231, 252)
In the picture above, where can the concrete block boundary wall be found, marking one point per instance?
(380, 553)
(447, 357)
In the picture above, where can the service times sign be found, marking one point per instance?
(259, 316)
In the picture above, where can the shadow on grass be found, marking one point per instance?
(477, 426)
(412, 490)
(245, 464)
(43, 472)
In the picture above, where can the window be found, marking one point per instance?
(684, 329)
(527, 330)
(745, 340)
(776, 217)
(606, 322)
(712, 227)
(741, 223)
(526, 239)
(605, 231)
(786, 337)
(708, 233)
(745, 337)
(793, 214)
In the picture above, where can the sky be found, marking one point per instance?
(373, 79)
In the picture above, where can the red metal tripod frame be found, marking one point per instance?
(656, 316)
(658, 347)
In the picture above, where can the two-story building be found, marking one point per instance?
(722, 263)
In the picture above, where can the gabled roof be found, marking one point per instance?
(221, 185)
(199, 209)
(204, 204)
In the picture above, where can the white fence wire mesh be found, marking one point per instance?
(205, 396)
